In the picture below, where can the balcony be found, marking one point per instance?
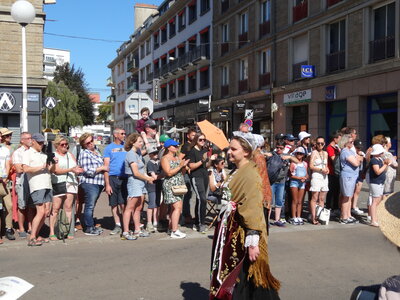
(243, 86)
(333, 2)
(49, 59)
(300, 11)
(224, 6)
(243, 39)
(132, 66)
(264, 79)
(335, 61)
(110, 82)
(149, 77)
(382, 48)
(265, 28)
(131, 87)
(164, 69)
(224, 48)
(297, 70)
(111, 98)
(224, 91)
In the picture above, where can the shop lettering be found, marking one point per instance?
(299, 96)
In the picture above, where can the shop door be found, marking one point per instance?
(336, 116)
(299, 119)
(382, 118)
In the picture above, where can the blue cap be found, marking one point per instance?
(170, 142)
(289, 137)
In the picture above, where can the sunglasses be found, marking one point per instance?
(321, 144)
(281, 148)
(64, 145)
(7, 135)
(122, 133)
(40, 143)
(88, 143)
(201, 140)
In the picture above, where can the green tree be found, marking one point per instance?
(75, 81)
(105, 111)
(66, 113)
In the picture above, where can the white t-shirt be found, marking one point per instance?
(38, 180)
(17, 159)
(4, 157)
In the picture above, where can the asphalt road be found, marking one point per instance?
(312, 262)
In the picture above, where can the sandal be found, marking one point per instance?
(43, 240)
(374, 224)
(34, 242)
(315, 222)
(70, 237)
(53, 237)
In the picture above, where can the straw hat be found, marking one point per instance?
(5, 131)
(389, 218)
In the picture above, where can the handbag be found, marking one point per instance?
(323, 214)
(179, 190)
(61, 187)
(3, 189)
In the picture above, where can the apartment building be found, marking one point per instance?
(53, 58)
(168, 57)
(243, 43)
(352, 46)
(11, 68)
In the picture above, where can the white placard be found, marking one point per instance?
(297, 97)
(13, 287)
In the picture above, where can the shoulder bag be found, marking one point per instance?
(60, 188)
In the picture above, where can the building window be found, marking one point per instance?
(142, 51)
(336, 116)
(192, 11)
(192, 42)
(265, 68)
(300, 55)
(225, 38)
(163, 34)
(123, 67)
(225, 75)
(204, 78)
(163, 89)
(383, 44)
(182, 20)
(243, 29)
(181, 86)
(300, 10)
(148, 47)
(335, 59)
(224, 5)
(205, 6)
(156, 40)
(142, 75)
(243, 69)
(333, 2)
(172, 27)
(148, 72)
(265, 21)
(192, 82)
(171, 88)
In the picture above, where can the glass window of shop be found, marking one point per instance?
(336, 116)
(299, 119)
(382, 117)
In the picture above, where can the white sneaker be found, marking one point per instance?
(178, 234)
(357, 211)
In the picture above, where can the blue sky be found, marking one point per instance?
(100, 19)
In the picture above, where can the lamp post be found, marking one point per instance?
(23, 13)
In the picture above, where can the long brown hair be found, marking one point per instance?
(130, 140)
(195, 140)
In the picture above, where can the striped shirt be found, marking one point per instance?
(90, 161)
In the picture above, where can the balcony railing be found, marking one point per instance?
(224, 48)
(382, 48)
(333, 2)
(265, 28)
(300, 11)
(243, 39)
(224, 90)
(243, 86)
(264, 79)
(132, 65)
(335, 61)
(297, 70)
(49, 59)
(224, 6)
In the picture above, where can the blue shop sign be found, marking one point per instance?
(330, 92)
(307, 71)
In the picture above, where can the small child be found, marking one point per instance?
(144, 113)
(154, 190)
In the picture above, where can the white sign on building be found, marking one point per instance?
(297, 97)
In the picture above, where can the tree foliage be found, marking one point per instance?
(66, 113)
(105, 111)
(75, 81)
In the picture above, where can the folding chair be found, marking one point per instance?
(212, 208)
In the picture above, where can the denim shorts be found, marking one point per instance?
(136, 187)
(278, 194)
(376, 190)
(347, 185)
(297, 184)
(42, 196)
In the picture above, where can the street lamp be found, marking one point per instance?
(23, 13)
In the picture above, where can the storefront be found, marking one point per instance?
(299, 111)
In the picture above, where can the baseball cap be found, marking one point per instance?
(152, 149)
(289, 137)
(279, 136)
(38, 137)
(170, 143)
(299, 150)
(303, 135)
(150, 123)
(164, 138)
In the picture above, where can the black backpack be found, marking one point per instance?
(274, 166)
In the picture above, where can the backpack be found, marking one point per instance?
(337, 166)
(62, 226)
(274, 166)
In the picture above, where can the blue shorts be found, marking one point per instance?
(278, 194)
(136, 187)
(297, 184)
(347, 185)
